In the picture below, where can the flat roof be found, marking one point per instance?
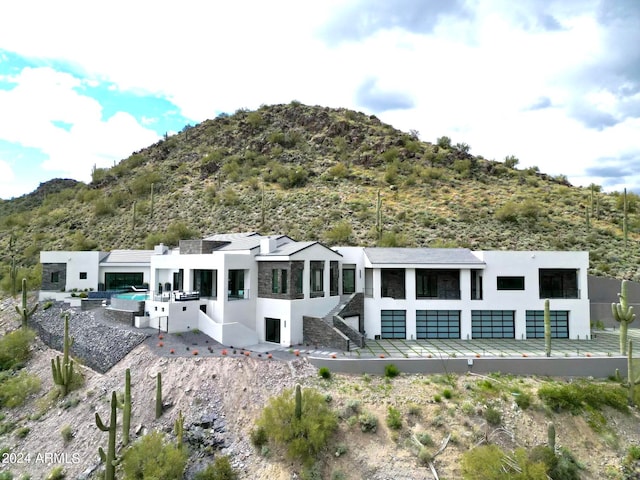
(128, 256)
(422, 256)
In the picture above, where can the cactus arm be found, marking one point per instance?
(159, 395)
(298, 411)
(109, 458)
(126, 408)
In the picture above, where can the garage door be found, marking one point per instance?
(437, 324)
(559, 323)
(393, 324)
(493, 324)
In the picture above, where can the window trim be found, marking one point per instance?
(510, 283)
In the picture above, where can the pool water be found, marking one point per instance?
(138, 296)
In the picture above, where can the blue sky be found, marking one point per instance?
(554, 82)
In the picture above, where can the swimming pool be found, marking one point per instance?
(138, 296)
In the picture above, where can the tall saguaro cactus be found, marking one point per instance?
(159, 395)
(178, 428)
(298, 411)
(551, 437)
(547, 328)
(24, 311)
(63, 373)
(625, 221)
(623, 313)
(109, 458)
(126, 408)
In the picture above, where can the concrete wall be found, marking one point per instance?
(603, 292)
(75, 263)
(122, 316)
(597, 367)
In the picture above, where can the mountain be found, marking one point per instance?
(312, 172)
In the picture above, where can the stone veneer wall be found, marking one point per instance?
(265, 278)
(122, 316)
(196, 247)
(316, 331)
(47, 270)
(355, 337)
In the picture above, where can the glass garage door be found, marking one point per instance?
(559, 323)
(393, 324)
(493, 324)
(437, 324)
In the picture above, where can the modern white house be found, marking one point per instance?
(242, 289)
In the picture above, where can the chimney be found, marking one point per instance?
(160, 249)
(267, 245)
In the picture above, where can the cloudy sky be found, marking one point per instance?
(554, 82)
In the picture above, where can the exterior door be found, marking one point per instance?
(272, 330)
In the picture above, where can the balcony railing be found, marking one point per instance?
(238, 294)
(560, 293)
(176, 296)
(441, 294)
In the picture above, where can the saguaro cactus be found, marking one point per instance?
(551, 437)
(159, 395)
(178, 428)
(24, 311)
(109, 458)
(625, 221)
(547, 328)
(298, 411)
(152, 200)
(63, 373)
(623, 313)
(126, 408)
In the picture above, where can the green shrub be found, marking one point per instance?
(352, 408)
(523, 400)
(490, 462)
(6, 475)
(22, 432)
(447, 393)
(573, 397)
(340, 233)
(304, 437)
(492, 416)
(425, 439)
(258, 437)
(57, 473)
(368, 422)
(221, 469)
(391, 371)
(14, 389)
(394, 418)
(153, 457)
(67, 433)
(324, 372)
(339, 170)
(425, 456)
(14, 347)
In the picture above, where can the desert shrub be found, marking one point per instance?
(391, 371)
(175, 232)
(492, 416)
(425, 439)
(56, 473)
(67, 433)
(443, 142)
(575, 396)
(303, 438)
(560, 466)
(340, 233)
(258, 437)
(425, 456)
(339, 170)
(490, 462)
(447, 393)
(153, 457)
(352, 408)
(102, 207)
(507, 213)
(324, 372)
(229, 197)
(368, 422)
(221, 469)
(392, 239)
(394, 418)
(6, 475)
(140, 185)
(14, 389)
(22, 432)
(523, 400)
(14, 347)
(462, 166)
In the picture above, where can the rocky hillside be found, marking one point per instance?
(319, 173)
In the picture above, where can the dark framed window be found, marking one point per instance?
(299, 282)
(493, 324)
(348, 280)
(317, 278)
(274, 280)
(120, 280)
(437, 324)
(236, 285)
(558, 283)
(393, 324)
(55, 277)
(393, 283)
(436, 283)
(510, 283)
(559, 323)
(284, 283)
(83, 275)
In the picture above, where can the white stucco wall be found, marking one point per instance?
(76, 262)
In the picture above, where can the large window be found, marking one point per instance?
(275, 273)
(236, 285)
(121, 280)
(558, 283)
(393, 283)
(334, 275)
(440, 284)
(348, 280)
(317, 279)
(493, 324)
(204, 281)
(437, 324)
(55, 277)
(393, 324)
(559, 323)
(284, 284)
(510, 283)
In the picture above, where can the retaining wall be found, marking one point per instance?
(597, 367)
